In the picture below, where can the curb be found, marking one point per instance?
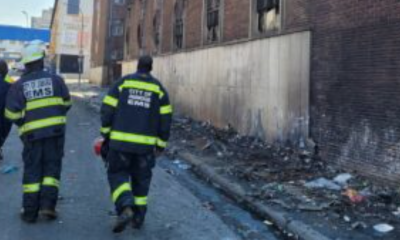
(281, 219)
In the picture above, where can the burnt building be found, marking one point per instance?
(107, 46)
(282, 70)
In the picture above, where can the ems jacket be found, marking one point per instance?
(136, 115)
(5, 124)
(38, 104)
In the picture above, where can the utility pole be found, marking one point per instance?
(27, 18)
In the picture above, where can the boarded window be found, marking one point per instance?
(179, 11)
(268, 12)
(213, 20)
(73, 7)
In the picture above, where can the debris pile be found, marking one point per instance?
(291, 178)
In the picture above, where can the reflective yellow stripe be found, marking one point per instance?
(126, 187)
(161, 143)
(113, 102)
(42, 124)
(133, 138)
(68, 103)
(42, 103)
(166, 110)
(9, 80)
(31, 188)
(51, 182)
(105, 130)
(140, 201)
(32, 57)
(14, 115)
(136, 84)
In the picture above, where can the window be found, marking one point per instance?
(213, 8)
(73, 7)
(268, 15)
(179, 24)
(117, 28)
(157, 28)
(119, 2)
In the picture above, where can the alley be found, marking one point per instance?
(85, 207)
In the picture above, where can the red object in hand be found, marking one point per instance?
(98, 143)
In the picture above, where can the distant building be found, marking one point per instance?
(44, 21)
(71, 37)
(108, 40)
(13, 39)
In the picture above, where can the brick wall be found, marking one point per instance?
(355, 84)
(194, 23)
(236, 23)
(236, 20)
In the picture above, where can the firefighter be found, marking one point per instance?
(136, 120)
(5, 124)
(38, 104)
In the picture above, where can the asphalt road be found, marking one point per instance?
(85, 206)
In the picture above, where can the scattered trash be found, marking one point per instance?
(323, 183)
(9, 169)
(268, 223)
(397, 212)
(383, 228)
(208, 206)
(354, 196)
(182, 165)
(359, 225)
(342, 179)
(346, 219)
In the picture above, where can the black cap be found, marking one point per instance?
(145, 63)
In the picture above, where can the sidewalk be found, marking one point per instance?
(292, 189)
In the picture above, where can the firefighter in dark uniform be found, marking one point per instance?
(5, 124)
(38, 104)
(136, 119)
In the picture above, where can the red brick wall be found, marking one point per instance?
(297, 15)
(355, 113)
(194, 23)
(236, 20)
(168, 12)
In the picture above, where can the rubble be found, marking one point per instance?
(289, 178)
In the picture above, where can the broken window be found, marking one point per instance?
(179, 24)
(213, 20)
(157, 28)
(268, 12)
(117, 28)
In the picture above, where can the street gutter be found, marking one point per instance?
(281, 219)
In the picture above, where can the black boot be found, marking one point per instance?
(48, 214)
(123, 220)
(138, 219)
(29, 216)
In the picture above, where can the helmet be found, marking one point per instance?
(97, 146)
(32, 52)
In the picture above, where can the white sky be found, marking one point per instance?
(11, 10)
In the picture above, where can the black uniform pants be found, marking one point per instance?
(42, 170)
(129, 176)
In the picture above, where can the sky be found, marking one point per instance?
(11, 10)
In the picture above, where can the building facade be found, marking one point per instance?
(44, 21)
(71, 37)
(282, 70)
(13, 39)
(108, 39)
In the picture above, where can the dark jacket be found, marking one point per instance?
(38, 104)
(5, 124)
(136, 115)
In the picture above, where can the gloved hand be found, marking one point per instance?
(105, 148)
